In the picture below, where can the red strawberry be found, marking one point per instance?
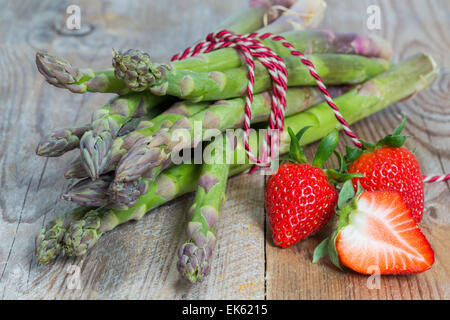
(299, 202)
(377, 233)
(299, 198)
(388, 166)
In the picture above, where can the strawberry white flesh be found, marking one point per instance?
(382, 236)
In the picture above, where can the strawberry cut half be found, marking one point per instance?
(376, 233)
(382, 234)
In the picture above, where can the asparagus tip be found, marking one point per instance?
(95, 152)
(138, 160)
(135, 68)
(48, 241)
(82, 234)
(126, 194)
(57, 143)
(193, 264)
(89, 193)
(61, 74)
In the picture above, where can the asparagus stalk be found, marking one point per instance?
(403, 81)
(196, 253)
(203, 86)
(222, 115)
(62, 74)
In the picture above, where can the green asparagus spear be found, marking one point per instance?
(222, 115)
(195, 254)
(61, 74)
(404, 80)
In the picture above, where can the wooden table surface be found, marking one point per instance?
(138, 259)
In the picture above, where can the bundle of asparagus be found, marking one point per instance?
(125, 167)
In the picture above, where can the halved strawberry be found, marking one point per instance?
(376, 231)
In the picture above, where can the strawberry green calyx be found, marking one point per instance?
(395, 140)
(326, 148)
(295, 149)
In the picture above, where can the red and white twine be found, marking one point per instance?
(252, 48)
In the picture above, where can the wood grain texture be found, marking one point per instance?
(137, 260)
